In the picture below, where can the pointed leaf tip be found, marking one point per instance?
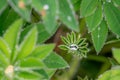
(67, 15)
(99, 36)
(12, 34)
(55, 61)
(112, 16)
(88, 7)
(28, 43)
(42, 51)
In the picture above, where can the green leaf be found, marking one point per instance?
(67, 14)
(29, 75)
(11, 35)
(22, 7)
(95, 19)
(110, 75)
(65, 40)
(3, 5)
(76, 4)
(99, 36)
(6, 19)
(43, 72)
(32, 63)
(116, 2)
(55, 61)
(42, 51)
(113, 62)
(88, 7)
(28, 43)
(116, 54)
(63, 47)
(50, 72)
(47, 8)
(4, 48)
(3, 60)
(24, 32)
(112, 15)
(43, 34)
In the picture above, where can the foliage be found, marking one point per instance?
(25, 60)
(95, 14)
(26, 26)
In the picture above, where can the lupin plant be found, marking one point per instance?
(25, 60)
(75, 44)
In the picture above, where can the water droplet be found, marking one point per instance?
(69, 18)
(46, 7)
(73, 47)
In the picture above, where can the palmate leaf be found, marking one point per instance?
(88, 7)
(112, 15)
(54, 61)
(28, 43)
(47, 9)
(23, 64)
(67, 14)
(75, 45)
(99, 36)
(22, 7)
(95, 19)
